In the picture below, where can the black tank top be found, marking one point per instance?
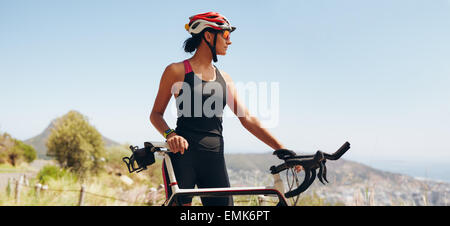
(200, 106)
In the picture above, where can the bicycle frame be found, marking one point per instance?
(276, 190)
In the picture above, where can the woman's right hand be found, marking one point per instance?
(177, 143)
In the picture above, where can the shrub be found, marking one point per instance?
(49, 172)
(15, 151)
(76, 144)
(28, 152)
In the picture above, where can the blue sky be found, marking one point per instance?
(375, 73)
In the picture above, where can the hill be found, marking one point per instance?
(38, 141)
(351, 183)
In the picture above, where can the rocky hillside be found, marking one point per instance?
(351, 183)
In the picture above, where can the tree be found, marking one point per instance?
(76, 144)
(15, 151)
(6, 143)
(28, 153)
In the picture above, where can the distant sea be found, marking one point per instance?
(434, 169)
(420, 169)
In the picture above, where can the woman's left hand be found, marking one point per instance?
(298, 168)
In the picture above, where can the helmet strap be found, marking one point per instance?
(212, 47)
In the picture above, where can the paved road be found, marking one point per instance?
(36, 165)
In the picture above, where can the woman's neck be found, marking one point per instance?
(202, 57)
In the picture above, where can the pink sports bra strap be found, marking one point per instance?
(187, 67)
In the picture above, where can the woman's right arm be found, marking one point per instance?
(170, 76)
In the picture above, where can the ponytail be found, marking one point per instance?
(191, 44)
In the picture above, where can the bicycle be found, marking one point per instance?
(144, 157)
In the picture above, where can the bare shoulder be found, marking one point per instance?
(226, 76)
(174, 71)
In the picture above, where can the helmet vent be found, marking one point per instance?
(195, 25)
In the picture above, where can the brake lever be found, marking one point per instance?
(322, 172)
(310, 166)
(141, 156)
(127, 162)
(325, 172)
(131, 166)
(309, 163)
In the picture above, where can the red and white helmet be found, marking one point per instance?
(213, 20)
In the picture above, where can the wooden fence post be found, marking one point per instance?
(8, 187)
(17, 190)
(37, 190)
(81, 200)
(25, 180)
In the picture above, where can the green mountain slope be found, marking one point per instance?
(38, 142)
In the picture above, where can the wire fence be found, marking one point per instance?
(152, 199)
(39, 189)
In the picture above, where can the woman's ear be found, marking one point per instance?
(209, 36)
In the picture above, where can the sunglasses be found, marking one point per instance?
(226, 34)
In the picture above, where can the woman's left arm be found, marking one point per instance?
(251, 123)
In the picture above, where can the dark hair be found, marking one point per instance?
(192, 43)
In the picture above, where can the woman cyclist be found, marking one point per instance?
(201, 92)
